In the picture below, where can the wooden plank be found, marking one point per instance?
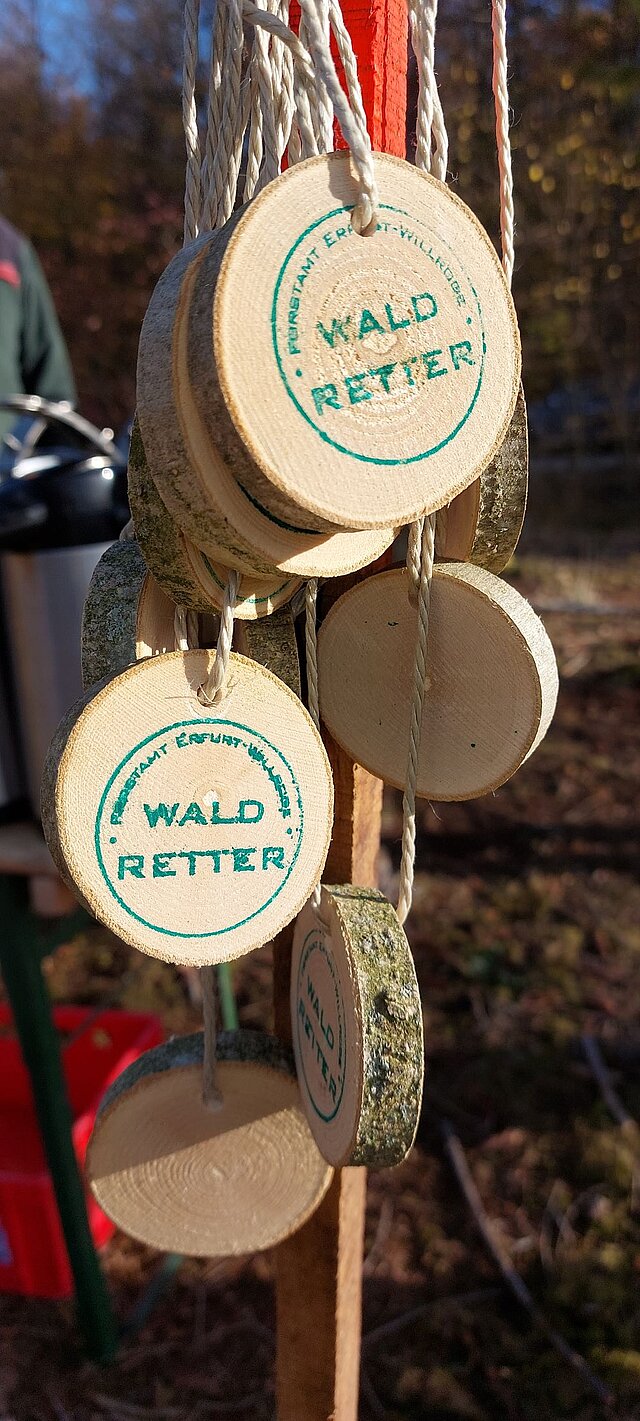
(319, 1270)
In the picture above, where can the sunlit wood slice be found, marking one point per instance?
(491, 689)
(352, 381)
(185, 1178)
(195, 482)
(356, 1022)
(186, 573)
(483, 523)
(194, 833)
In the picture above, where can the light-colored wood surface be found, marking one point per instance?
(272, 642)
(318, 1354)
(356, 1020)
(492, 680)
(187, 574)
(195, 834)
(186, 1178)
(354, 381)
(126, 615)
(196, 482)
(483, 523)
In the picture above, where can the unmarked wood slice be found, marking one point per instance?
(272, 642)
(190, 577)
(195, 834)
(351, 381)
(126, 615)
(196, 484)
(185, 1178)
(492, 680)
(356, 1022)
(483, 524)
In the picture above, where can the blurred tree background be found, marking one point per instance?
(91, 167)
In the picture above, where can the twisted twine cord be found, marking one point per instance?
(190, 120)
(408, 855)
(364, 218)
(213, 690)
(211, 1093)
(503, 142)
(313, 698)
(432, 143)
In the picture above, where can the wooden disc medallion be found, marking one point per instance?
(126, 615)
(194, 833)
(356, 1021)
(491, 689)
(186, 573)
(483, 523)
(195, 481)
(185, 1178)
(352, 381)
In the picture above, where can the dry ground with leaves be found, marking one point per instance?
(526, 933)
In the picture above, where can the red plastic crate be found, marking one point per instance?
(33, 1255)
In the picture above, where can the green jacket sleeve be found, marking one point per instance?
(46, 368)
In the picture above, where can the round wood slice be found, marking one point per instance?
(483, 524)
(345, 381)
(185, 1178)
(188, 575)
(126, 615)
(356, 1021)
(272, 642)
(196, 484)
(492, 680)
(195, 834)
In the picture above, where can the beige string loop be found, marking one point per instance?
(364, 218)
(313, 696)
(503, 141)
(213, 690)
(408, 855)
(211, 1093)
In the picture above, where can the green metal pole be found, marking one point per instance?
(31, 1008)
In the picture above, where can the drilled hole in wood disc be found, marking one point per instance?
(186, 573)
(195, 834)
(483, 524)
(196, 483)
(492, 680)
(356, 1023)
(185, 1178)
(126, 615)
(366, 379)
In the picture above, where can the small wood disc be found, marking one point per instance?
(195, 834)
(186, 573)
(356, 1021)
(483, 523)
(185, 1178)
(352, 381)
(126, 615)
(196, 483)
(491, 688)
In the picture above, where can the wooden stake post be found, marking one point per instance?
(319, 1269)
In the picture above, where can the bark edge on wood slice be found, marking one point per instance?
(483, 524)
(126, 615)
(207, 1182)
(272, 642)
(147, 794)
(200, 491)
(356, 1022)
(186, 573)
(492, 680)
